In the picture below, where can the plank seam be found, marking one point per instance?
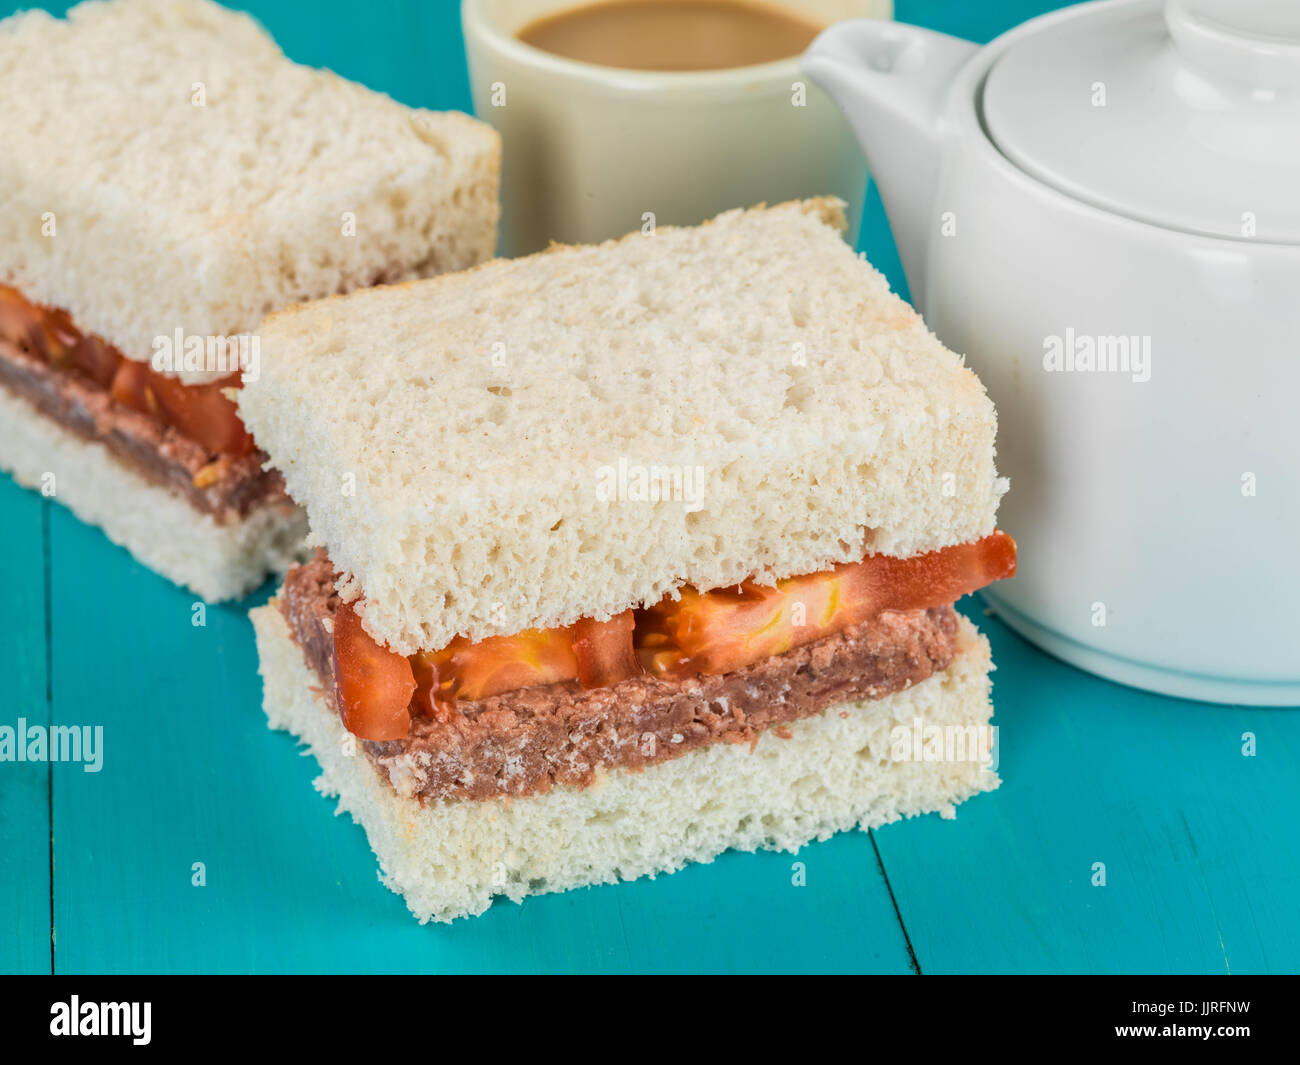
(907, 939)
(49, 699)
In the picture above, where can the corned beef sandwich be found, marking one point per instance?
(167, 177)
(631, 554)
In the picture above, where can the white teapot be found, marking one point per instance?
(1101, 209)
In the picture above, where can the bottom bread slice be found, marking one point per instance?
(846, 768)
(162, 530)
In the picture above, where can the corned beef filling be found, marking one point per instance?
(519, 743)
(185, 438)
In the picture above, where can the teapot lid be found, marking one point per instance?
(1186, 116)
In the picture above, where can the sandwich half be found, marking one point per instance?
(167, 177)
(630, 554)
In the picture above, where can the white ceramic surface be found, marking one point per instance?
(589, 150)
(1157, 508)
(1164, 115)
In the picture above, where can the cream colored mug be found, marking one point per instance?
(592, 152)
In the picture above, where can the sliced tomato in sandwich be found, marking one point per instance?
(498, 664)
(374, 684)
(51, 335)
(595, 653)
(131, 387)
(713, 632)
(723, 630)
(938, 578)
(604, 651)
(56, 337)
(19, 320)
(203, 412)
(726, 629)
(97, 360)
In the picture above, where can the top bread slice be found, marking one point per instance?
(476, 451)
(163, 166)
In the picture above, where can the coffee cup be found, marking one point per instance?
(592, 152)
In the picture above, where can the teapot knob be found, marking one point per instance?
(1255, 43)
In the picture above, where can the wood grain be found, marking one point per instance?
(24, 786)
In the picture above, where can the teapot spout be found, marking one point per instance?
(890, 80)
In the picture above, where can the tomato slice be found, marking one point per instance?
(97, 360)
(712, 632)
(726, 629)
(604, 650)
(464, 670)
(374, 684)
(203, 413)
(131, 387)
(723, 630)
(427, 685)
(939, 577)
(199, 411)
(56, 338)
(51, 335)
(20, 321)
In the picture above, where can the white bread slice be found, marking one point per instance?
(450, 438)
(168, 215)
(160, 529)
(836, 772)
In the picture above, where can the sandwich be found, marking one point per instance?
(167, 177)
(627, 555)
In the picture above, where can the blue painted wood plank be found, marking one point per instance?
(975, 22)
(24, 786)
(407, 49)
(1198, 841)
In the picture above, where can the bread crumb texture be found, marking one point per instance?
(195, 178)
(835, 772)
(588, 429)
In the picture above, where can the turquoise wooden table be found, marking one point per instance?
(1132, 832)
